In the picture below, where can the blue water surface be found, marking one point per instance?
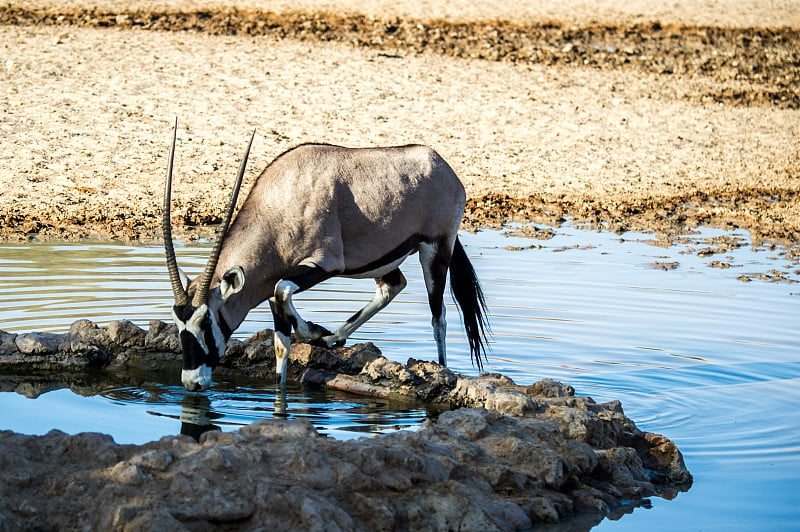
(707, 356)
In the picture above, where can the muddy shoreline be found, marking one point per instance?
(638, 124)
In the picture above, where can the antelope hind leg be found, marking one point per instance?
(435, 260)
(388, 286)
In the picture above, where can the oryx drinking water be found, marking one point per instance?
(320, 211)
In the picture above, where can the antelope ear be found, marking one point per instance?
(184, 279)
(232, 282)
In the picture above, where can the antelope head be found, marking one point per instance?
(202, 330)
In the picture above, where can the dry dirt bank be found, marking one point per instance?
(726, 13)
(655, 119)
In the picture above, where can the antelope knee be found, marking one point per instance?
(284, 290)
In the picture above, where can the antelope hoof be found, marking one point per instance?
(339, 343)
(326, 342)
(317, 332)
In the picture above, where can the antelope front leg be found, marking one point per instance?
(282, 338)
(286, 318)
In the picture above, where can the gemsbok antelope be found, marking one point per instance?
(320, 211)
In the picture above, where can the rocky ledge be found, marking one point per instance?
(504, 456)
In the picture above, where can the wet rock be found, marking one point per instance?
(584, 425)
(162, 336)
(47, 351)
(84, 353)
(153, 460)
(124, 333)
(87, 345)
(542, 510)
(625, 471)
(127, 474)
(8, 345)
(38, 343)
(350, 359)
(311, 365)
(82, 326)
(506, 456)
(660, 456)
(550, 388)
(384, 369)
(493, 391)
(432, 380)
(136, 518)
(379, 377)
(465, 471)
(665, 266)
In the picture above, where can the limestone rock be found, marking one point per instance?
(465, 471)
(38, 343)
(162, 336)
(495, 392)
(125, 333)
(550, 388)
(8, 345)
(505, 457)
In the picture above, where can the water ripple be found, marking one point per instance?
(692, 353)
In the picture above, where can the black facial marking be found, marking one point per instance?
(193, 354)
(211, 342)
(184, 312)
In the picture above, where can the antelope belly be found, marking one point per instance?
(378, 272)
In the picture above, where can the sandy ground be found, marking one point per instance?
(726, 13)
(616, 113)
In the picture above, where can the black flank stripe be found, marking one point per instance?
(403, 249)
(226, 330)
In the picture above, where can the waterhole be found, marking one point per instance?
(698, 337)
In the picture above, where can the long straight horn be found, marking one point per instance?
(181, 297)
(201, 296)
